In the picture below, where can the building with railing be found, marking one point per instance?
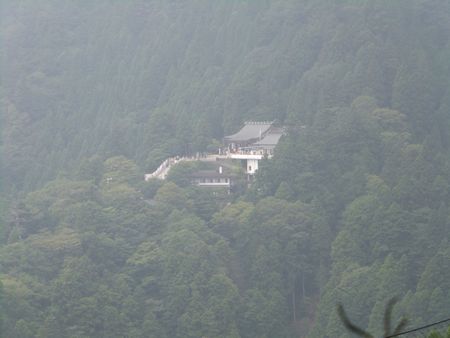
(252, 143)
(255, 141)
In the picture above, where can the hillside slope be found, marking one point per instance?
(152, 79)
(354, 207)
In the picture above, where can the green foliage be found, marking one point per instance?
(179, 174)
(172, 196)
(354, 206)
(2, 311)
(388, 328)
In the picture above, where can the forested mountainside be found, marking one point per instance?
(353, 208)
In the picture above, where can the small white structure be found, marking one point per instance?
(252, 166)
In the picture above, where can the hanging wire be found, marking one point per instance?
(424, 331)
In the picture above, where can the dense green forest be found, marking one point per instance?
(354, 208)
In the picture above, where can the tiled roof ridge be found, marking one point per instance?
(258, 122)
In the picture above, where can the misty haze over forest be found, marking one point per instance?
(300, 152)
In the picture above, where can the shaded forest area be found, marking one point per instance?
(353, 208)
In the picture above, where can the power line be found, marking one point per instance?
(420, 328)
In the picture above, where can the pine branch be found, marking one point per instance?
(349, 325)
(388, 315)
(387, 321)
(400, 326)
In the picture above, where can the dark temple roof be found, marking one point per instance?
(271, 139)
(250, 131)
(209, 174)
